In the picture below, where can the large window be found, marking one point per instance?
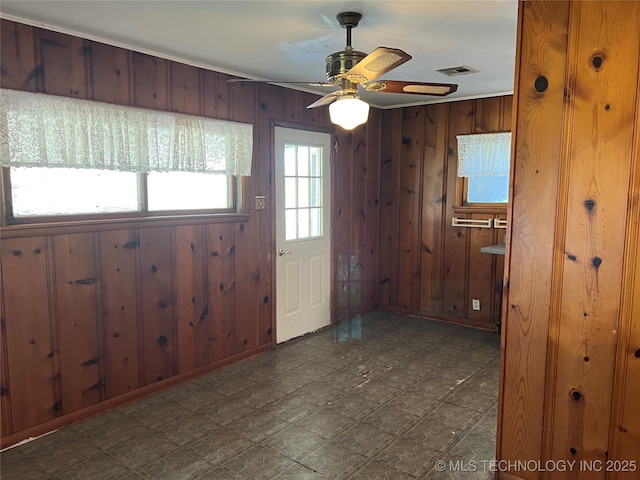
(65, 157)
(46, 192)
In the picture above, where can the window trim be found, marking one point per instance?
(8, 220)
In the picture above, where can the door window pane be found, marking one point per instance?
(303, 223)
(303, 189)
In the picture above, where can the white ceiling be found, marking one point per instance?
(289, 40)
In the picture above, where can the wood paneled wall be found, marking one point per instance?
(95, 314)
(427, 266)
(571, 364)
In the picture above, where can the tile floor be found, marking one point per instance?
(382, 396)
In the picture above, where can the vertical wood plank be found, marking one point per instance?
(357, 207)
(111, 74)
(461, 121)
(119, 294)
(480, 273)
(150, 83)
(6, 421)
(433, 205)
(342, 221)
(185, 88)
(542, 50)
(65, 59)
(191, 301)
(370, 238)
(409, 206)
(20, 70)
(246, 239)
(389, 201)
(158, 304)
(26, 307)
(268, 108)
(76, 302)
(221, 295)
(598, 148)
(215, 95)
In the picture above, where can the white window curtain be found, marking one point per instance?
(38, 130)
(484, 155)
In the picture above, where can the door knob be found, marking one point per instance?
(282, 251)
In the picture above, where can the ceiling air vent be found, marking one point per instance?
(457, 71)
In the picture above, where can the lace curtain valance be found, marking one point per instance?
(38, 130)
(484, 155)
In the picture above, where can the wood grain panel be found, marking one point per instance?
(357, 207)
(19, 70)
(433, 208)
(246, 238)
(185, 87)
(268, 108)
(215, 95)
(158, 304)
(221, 295)
(625, 431)
(119, 296)
(389, 204)
(480, 271)
(65, 60)
(28, 335)
(111, 74)
(370, 238)
(341, 224)
(454, 298)
(191, 299)
(542, 51)
(6, 421)
(409, 206)
(77, 322)
(594, 237)
(150, 82)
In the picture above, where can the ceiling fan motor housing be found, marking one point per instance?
(339, 63)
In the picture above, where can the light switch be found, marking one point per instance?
(261, 202)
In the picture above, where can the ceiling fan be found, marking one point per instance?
(350, 69)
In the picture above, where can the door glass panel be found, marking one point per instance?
(303, 161)
(303, 192)
(316, 162)
(316, 222)
(303, 189)
(303, 223)
(291, 224)
(316, 192)
(290, 193)
(290, 160)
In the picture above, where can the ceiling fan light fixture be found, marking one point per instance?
(349, 112)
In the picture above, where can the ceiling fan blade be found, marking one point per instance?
(311, 84)
(326, 100)
(378, 62)
(417, 88)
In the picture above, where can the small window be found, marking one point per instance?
(483, 168)
(487, 189)
(188, 191)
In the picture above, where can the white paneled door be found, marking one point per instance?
(303, 244)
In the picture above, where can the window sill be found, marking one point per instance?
(496, 209)
(98, 225)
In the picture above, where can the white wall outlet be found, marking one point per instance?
(261, 202)
(475, 304)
